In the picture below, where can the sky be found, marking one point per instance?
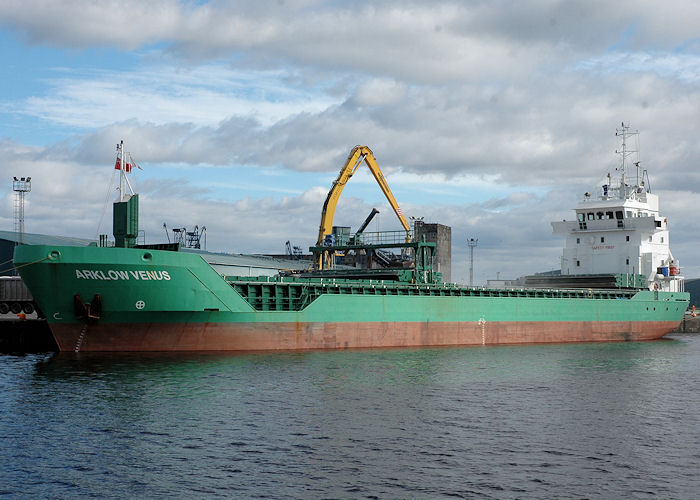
(492, 117)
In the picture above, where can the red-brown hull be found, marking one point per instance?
(300, 336)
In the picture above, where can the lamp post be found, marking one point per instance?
(20, 186)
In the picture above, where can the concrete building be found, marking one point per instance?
(442, 237)
(224, 263)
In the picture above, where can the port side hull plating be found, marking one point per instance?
(329, 335)
(151, 300)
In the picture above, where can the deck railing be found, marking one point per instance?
(378, 238)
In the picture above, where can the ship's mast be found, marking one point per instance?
(625, 133)
(123, 179)
(120, 162)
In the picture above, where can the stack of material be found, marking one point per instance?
(598, 281)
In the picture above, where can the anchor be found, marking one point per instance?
(92, 311)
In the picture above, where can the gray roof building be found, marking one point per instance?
(224, 263)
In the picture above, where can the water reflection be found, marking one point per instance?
(508, 421)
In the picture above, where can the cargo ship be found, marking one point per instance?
(131, 297)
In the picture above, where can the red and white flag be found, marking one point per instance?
(118, 166)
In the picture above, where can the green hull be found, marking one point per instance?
(120, 299)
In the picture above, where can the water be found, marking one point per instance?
(551, 421)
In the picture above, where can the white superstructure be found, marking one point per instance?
(620, 230)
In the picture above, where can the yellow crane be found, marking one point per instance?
(358, 156)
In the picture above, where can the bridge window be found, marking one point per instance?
(618, 214)
(602, 239)
(627, 237)
(591, 216)
(578, 263)
(581, 216)
(578, 241)
(608, 215)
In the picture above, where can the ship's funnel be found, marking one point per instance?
(125, 222)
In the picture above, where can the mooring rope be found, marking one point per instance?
(6, 262)
(27, 264)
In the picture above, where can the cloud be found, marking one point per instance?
(64, 195)
(515, 237)
(528, 93)
(202, 95)
(125, 25)
(417, 42)
(679, 66)
(491, 117)
(557, 127)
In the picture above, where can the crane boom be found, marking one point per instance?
(367, 221)
(358, 156)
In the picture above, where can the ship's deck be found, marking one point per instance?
(294, 294)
